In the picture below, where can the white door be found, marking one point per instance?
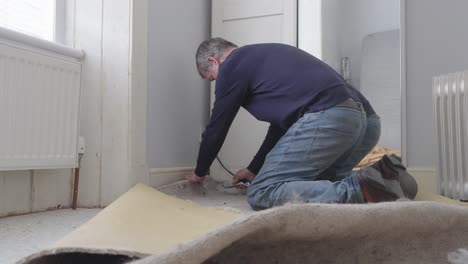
(246, 22)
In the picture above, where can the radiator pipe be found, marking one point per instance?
(76, 183)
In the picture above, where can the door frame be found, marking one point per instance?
(403, 81)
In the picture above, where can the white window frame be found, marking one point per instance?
(60, 21)
(310, 26)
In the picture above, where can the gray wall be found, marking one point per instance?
(178, 99)
(356, 29)
(436, 42)
(332, 33)
(360, 18)
(345, 23)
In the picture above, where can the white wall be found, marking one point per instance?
(360, 18)
(178, 99)
(380, 83)
(114, 97)
(319, 30)
(436, 42)
(332, 33)
(344, 25)
(310, 26)
(85, 32)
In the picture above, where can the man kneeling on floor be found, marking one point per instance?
(320, 128)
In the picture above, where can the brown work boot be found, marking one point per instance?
(380, 183)
(407, 183)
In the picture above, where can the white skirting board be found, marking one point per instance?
(162, 176)
(426, 178)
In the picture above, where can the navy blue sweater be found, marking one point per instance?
(275, 83)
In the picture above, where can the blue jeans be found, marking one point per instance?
(342, 169)
(313, 161)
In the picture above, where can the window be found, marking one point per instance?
(33, 17)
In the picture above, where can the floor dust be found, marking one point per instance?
(211, 194)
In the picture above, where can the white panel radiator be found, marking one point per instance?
(39, 105)
(451, 120)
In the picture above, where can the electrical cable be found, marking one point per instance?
(228, 171)
(244, 181)
(224, 167)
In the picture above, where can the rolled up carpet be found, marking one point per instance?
(147, 226)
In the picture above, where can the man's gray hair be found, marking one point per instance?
(213, 47)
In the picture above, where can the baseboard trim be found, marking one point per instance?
(162, 176)
(426, 178)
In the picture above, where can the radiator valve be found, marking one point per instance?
(81, 145)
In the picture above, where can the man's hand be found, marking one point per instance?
(192, 177)
(243, 174)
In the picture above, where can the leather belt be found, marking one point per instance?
(350, 103)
